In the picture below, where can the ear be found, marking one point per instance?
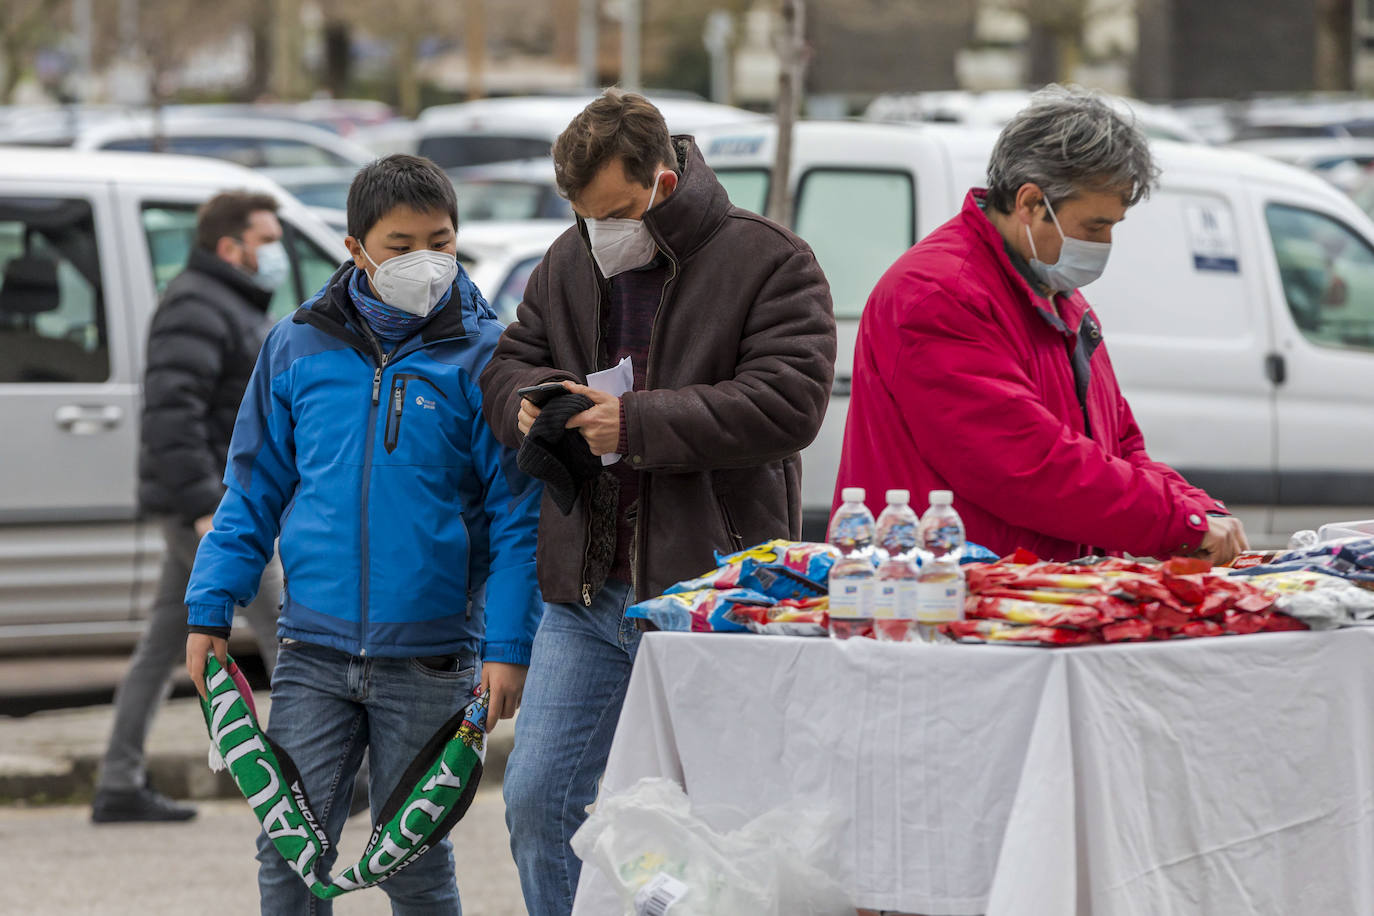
(230, 250)
(667, 184)
(1029, 200)
(355, 249)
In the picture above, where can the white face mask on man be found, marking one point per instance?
(414, 282)
(623, 243)
(1080, 262)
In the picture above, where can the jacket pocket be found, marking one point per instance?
(400, 396)
(736, 539)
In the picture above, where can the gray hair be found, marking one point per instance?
(1066, 142)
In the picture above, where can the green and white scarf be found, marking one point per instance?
(433, 794)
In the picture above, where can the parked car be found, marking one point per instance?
(253, 142)
(524, 127)
(1239, 303)
(518, 190)
(88, 242)
(1342, 161)
(500, 256)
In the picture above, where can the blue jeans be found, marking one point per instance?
(327, 707)
(576, 685)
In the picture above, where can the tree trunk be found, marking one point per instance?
(14, 70)
(260, 76)
(1335, 69)
(407, 77)
(338, 58)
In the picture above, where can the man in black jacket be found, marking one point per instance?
(202, 346)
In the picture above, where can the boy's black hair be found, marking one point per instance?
(398, 181)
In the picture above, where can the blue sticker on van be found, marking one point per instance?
(734, 146)
(1227, 265)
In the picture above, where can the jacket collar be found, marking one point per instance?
(332, 311)
(239, 281)
(691, 214)
(1067, 317)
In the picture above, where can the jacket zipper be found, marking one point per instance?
(595, 361)
(736, 538)
(365, 562)
(394, 415)
(637, 548)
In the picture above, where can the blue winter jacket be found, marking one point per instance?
(406, 528)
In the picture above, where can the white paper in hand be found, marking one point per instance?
(614, 381)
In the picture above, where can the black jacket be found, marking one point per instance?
(202, 345)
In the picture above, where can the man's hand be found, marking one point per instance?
(506, 683)
(199, 645)
(1224, 540)
(528, 414)
(599, 424)
(204, 525)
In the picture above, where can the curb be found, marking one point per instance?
(35, 780)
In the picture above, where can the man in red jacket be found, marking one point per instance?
(979, 367)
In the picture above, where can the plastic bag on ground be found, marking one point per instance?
(661, 858)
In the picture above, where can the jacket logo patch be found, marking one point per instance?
(426, 403)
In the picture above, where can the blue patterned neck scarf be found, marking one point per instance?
(389, 324)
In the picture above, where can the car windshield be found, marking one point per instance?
(331, 194)
(508, 199)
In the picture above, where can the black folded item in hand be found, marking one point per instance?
(559, 456)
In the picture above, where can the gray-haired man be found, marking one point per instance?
(979, 367)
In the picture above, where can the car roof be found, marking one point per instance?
(106, 165)
(142, 125)
(547, 116)
(531, 170)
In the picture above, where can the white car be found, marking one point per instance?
(253, 142)
(500, 256)
(524, 127)
(88, 242)
(1343, 161)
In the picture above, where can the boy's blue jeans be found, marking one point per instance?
(327, 706)
(573, 694)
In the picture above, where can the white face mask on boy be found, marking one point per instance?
(414, 282)
(622, 244)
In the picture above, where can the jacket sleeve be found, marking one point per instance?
(774, 405)
(186, 344)
(522, 359)
(973, 414)
(261, 479)
(510, 502)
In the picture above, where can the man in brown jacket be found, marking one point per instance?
(727, 321)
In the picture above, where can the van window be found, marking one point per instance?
(283, 153)
(52, 310)
(452, 150)
(1327, 271)
(857, 222)
(171, 231)
(748, 188)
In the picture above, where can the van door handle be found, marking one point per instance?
(81, 420)
(1276, 368)
(843, 385)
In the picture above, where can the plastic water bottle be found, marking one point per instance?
(851, 578)
(940, 583)
(894, 592)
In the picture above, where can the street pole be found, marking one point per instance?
(587, 42)
(720, 28)
(85, 37)
(475, 32)
(792, 60)
(285, 27)
(630, 38)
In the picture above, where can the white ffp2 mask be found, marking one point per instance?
(622, 244)
(414, 282)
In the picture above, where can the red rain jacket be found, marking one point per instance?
(964, 381)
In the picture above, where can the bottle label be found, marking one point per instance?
(851, 598)
(894, 599)
(946, 538)
(940, 601)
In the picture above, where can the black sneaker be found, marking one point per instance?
(113, 806)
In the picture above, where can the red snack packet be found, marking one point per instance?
(1004, 632)
(1127, 630)
(1197, 629)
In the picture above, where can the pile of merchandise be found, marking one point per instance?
(1326, 586)
(1103, 600)
(779, 587)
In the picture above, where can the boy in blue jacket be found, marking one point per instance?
(407, 532)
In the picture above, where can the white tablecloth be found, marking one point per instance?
(1213, 776)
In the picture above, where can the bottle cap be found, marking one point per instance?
(942, 497)
(898, 497)
(852, 494)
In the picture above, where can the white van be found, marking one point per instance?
(524, 127)
(88, 241)
(1238, 305)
